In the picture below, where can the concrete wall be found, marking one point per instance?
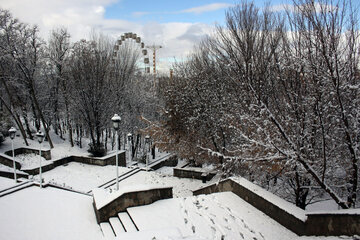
(191, 173)
(103, 161)
(169, 162)
(24, 150)
(8, 161)
(315, 224)
(130, 199)
(11, 175)
(332, 224)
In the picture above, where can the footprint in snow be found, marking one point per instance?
(193, 228)
(185, 220)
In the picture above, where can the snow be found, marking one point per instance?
(103, 197)
(31, 160)
(182, 187)
(210, 217)
(281, 203)
(165, 171)
(6, 183)
(50, 213)
(5, 168)
(355, 211)
(82, 177)
(47, 213)
(158, 234)
(326, 205)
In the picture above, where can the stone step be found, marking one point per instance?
(116, 225)
(107, 230)
(15, 188)
(127, 222)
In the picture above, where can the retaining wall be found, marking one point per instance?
(169, 162)
(325, 224)
(11, 175)
(103, 161)
(24, 150)
(8, 161)
(192, 173)
(130, 199)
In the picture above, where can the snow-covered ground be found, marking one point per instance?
(216, 216)
(47, 213)
(210, 217)
(82, 177)
(50, 213)
(30, 160)
(182, 187)
(6, 183)
(5, 168)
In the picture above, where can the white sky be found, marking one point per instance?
(81, 16)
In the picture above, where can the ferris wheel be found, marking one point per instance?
(130, 49)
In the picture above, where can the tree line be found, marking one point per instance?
(72, 88)
(273, 96)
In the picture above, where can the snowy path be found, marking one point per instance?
(216, 216)
(47, 213)
(182, 187)
(6, 183)
(82, 177)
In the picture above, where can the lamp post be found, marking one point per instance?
(40, 137)
(116, 122)
(12, 132)
(147, 143)
(129, 138)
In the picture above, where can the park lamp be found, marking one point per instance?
(12, 132)
(147, 139)
(40, 136)
(116, 121)
(129, 137)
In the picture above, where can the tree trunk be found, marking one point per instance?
(17, 120)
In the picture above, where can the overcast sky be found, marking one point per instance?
(175, 24)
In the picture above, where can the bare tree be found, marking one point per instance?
(294, 98)
(58, 52)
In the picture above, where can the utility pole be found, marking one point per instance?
(154, 48)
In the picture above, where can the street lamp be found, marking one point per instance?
(147, 145)
(129, 138)
(12, 132)
(40, 137)
(116, 123)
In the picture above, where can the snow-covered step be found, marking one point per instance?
(121, 177)
(107, 230)
(127, 222)
(116, 225)
(15, 188)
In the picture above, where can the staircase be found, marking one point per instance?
(16, 188)
(118, 225)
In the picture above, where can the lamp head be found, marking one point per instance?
(129, 136)
(40, 136)
(12, 132)
(116, 121)
(147, 139)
